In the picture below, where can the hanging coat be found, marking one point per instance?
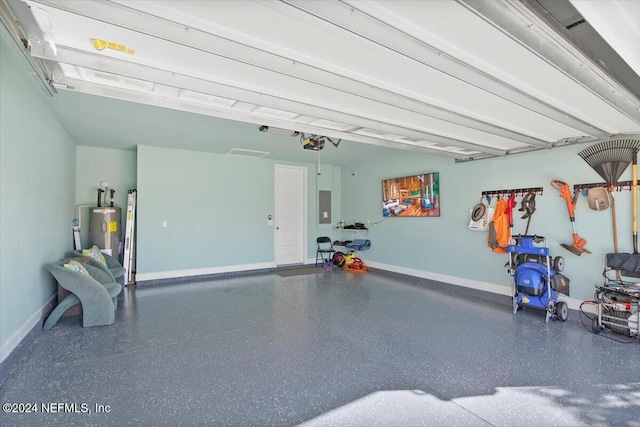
(499, 232)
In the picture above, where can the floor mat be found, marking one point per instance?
(298, 271)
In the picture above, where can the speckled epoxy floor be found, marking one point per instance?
(332, 349)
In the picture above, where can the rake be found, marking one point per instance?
(610, 159)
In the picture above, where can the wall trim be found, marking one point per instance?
(16, 338)
(202, 271)
(458, 281)
(572, 303)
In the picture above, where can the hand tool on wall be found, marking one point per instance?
(528, 205)
(578, 245)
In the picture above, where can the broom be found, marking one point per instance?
(634, 189)
(610, 159)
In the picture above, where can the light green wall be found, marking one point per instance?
(117, 167)
(444, 245)
(37, 177)
(328, 180)
(216, 207)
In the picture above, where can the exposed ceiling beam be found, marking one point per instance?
(80, 58)
(351, 17)
(132, 19)
(531, 26)
(177, 104)
(428, 87)
(609, 19)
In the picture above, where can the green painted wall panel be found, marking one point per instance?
(444, 245)
(216, 208)
(37, 181)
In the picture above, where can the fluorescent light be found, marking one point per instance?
(247, 153)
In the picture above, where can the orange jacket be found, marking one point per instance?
(499, 232)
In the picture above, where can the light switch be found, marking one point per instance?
(164, 224)
(325, 214)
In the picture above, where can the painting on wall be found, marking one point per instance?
(411, 196)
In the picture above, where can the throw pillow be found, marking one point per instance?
(74, 265)
(94, 253)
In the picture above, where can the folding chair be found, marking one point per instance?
(324, 247)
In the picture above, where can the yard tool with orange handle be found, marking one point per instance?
(578, 246)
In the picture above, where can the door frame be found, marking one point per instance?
(304, 197)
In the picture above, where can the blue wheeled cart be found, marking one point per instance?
(537, 281)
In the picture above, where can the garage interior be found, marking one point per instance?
(197, 104)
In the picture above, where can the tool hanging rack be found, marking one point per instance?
(515, 191)
(620, 186)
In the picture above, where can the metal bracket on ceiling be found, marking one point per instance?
(574, 140)
(10, 31)
(58, 81)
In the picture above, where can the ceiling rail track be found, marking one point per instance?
(352, 19)
(176, 33)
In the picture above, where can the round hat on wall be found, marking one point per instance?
(478, 211)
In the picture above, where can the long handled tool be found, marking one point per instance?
(614, 220)
(578, 245)
(528, 205)
(634, 190)
(610, 159)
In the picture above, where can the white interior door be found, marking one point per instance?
(290, 214)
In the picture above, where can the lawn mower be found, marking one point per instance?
(537, 279)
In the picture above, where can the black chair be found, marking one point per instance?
(324, 247)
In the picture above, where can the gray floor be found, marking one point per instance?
(332, 349)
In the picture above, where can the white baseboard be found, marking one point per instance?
(14, 340)
(572, 303)
(202, 271)
(458, 281)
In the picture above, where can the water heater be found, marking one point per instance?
(104, 230)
